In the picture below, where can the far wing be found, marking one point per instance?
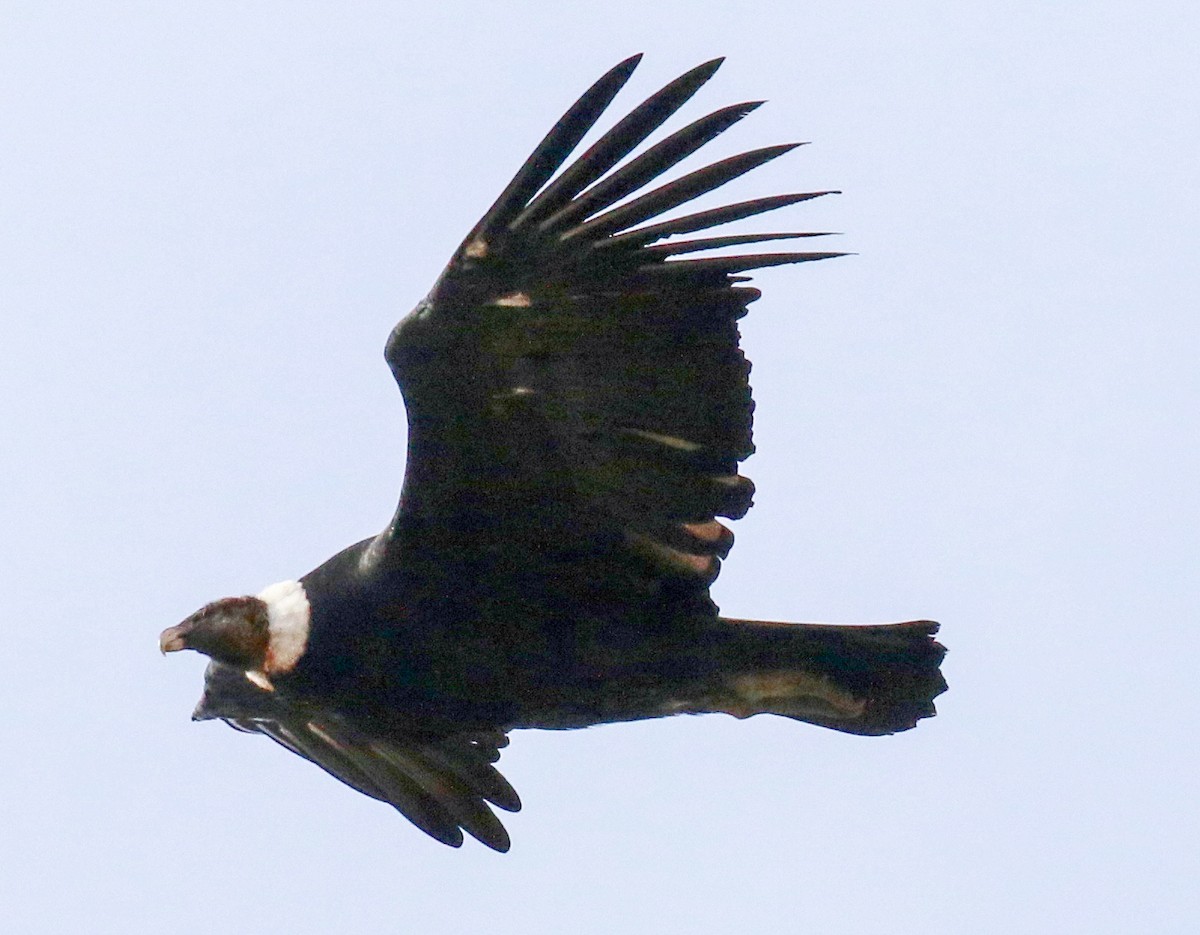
(571, 379)
(443, 785)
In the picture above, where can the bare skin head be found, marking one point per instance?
(233, 630)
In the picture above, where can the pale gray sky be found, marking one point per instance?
(213, 214)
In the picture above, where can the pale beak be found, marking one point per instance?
(173, 638)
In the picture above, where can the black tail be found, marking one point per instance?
(876, 679)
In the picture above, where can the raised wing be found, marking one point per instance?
(570, 379)
(443, 785)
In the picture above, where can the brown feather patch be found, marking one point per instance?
(791, 693)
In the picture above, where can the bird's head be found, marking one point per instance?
(265, 634)
(233, 630)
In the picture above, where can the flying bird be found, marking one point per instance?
(577, 409)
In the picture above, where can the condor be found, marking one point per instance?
(577, 407)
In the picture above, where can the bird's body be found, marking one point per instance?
(577, 407)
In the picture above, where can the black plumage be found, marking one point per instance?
(578, 406)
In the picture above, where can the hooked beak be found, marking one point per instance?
(174, 638)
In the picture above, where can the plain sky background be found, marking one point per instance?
(213, 212)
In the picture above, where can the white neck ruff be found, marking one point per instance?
(288, 618)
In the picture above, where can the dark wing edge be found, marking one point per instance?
(443, 785)
(562, 321)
